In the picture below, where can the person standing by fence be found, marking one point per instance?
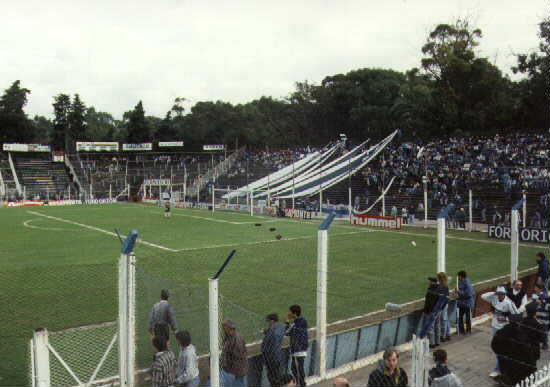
(502, 308)
(272, 352)
(542, 272)
(162, 317)
(296, 329)
(431, 324)
(163, 369)
(234, 360)
(465, 303)
(187, 374)
(443, 289)
(440, 375)
(517, 295)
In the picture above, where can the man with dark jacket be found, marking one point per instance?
(542, 272)
(431, 324)
(162, 317)
(513, 349)
(296, 329)
(517, 295)
(272, 352)
(440, 375)
(234, 359)
(465, 302)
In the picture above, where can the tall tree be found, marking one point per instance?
(43, 129)
(167, 130)
(100, 126)
(138, 131)
(62, 109)
(77, 123)
(14, 123)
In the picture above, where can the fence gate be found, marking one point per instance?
(84, 356)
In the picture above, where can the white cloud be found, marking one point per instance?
(115, 53)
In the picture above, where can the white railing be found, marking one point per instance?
(541, 378)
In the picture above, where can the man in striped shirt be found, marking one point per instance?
(163, 369)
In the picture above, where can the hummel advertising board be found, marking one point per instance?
(525, 234)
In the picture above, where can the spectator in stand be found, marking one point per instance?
(542, 272)
(461, 218)
(388, 373)
(443, 288)
(517, 295)
(234, 360)
(162, 317)
(296, 329)
(272, 349)
(394, 211)
(543, 312)
(187, 374)
(502, 308)
(404, 215)
(533, 329)
(163, 369)
(440, 375)
(513, 349)
(465, 302)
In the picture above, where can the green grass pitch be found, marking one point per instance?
(59, 268)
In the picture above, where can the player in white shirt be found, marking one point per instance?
(502, 307)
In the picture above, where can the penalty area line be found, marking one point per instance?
(100, 230)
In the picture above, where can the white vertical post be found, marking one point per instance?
(514, 237)
(321, 202)
(24, 193)
(41, 358)
(441, 244)
(322, 268)
(213, 199)
(425, 206)
(213, 317)
(48, 194)
(126, 311)
(91, 190)
(349, 203)
(251, 203)
(110, 191)
(184, 182)
(129, 191)
(383, 204)
(524, 212)
(471, 209)
(69, 192)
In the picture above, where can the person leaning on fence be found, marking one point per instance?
(272, 352)
(388, 373)
(163, 369)
(443, 290)
(296, 329)
(513, 349)
(502, 308)
(234, 359)
(162, 317)
(440, 375)
(465, 302)
(432, 308)
(187, 374)
(542, 272)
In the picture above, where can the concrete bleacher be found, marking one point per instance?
(40, 175)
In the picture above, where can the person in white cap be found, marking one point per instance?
(502, 307)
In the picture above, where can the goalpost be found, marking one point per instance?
(244, 200)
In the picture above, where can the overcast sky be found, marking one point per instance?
(116, 52)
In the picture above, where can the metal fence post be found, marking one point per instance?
(126, 311)
(514, 241)
(470, 210)
(441, 235)
(322, 268)
(524, 215)
(213, 322)
(41, 358)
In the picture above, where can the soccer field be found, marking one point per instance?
(59, 266)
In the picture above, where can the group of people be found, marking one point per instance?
(166, 370)
(520, 322)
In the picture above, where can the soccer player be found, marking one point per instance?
(167, 209)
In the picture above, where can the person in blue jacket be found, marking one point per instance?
(542, 273)
(296, 329)
(465, 301)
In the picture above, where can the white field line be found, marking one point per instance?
(100, 230)
(27, 223)
(268, 241)
(200, 217)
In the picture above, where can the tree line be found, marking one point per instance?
(452, 92)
